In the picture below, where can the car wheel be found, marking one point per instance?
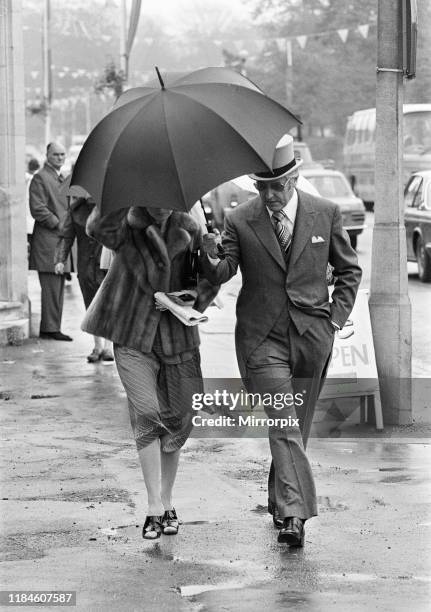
(354, 241)
(424, 261)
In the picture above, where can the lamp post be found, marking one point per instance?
(47, 75)
(389, 301)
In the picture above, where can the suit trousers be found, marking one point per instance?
(52, 295)
(287, 363)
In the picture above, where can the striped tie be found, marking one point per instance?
(284, 237)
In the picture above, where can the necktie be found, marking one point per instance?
(60, 178)
(283, 234)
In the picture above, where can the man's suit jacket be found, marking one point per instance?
(88, 250)
(270, 285)
(48, 206)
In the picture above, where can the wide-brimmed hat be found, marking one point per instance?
(283, 162)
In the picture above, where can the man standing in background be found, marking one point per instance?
(48, 206)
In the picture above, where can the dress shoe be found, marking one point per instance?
(94, 356)
(58, 335)
(292, 532)
(170, 522)
(152, 528)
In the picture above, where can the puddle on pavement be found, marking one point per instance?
(350, 577)
(395, 479)
(293, 599)
(253, 597)
(12, 550)
(120, 532)
(37, 396)
(332, 504)
(92, 496)
(157, 552)
(191, 590)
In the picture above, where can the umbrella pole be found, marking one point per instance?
(211, 230)
(208, 222)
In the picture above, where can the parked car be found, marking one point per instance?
(334, 186)
(417, 219)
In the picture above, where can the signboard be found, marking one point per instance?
(353, 371)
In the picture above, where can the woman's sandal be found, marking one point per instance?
(170, 522)
(152, 528)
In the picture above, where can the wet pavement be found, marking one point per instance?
(73, 500)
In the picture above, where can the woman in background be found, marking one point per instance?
(90, 274)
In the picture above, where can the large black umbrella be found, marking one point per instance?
(165, 146)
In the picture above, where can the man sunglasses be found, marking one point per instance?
(274, 185)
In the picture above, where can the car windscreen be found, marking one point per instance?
(331, 186)
(417, 132)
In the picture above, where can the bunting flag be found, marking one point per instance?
(84, 29)
(363, 30)
(343, 34)
(302, 41)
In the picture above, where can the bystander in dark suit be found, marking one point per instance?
(48, 206)
(282, 241)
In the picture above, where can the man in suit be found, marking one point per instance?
(282, 240)
(48, 206)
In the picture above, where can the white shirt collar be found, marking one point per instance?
(58, 172)
(290, 208)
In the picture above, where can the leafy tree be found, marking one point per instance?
(330, 78)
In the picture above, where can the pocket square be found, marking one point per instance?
(315, 239)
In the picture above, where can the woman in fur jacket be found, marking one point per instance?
(157, 357)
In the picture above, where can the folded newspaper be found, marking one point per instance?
(180, 303)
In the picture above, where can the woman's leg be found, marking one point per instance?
(138, 373)
(107, 354)
(169, 466)
(149, 457)
(98, 343)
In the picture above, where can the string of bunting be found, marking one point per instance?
(239, 44)
(281, 41)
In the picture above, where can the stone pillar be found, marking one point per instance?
(13, 239)
(390, 308)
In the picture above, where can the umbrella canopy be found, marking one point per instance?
(167, 145)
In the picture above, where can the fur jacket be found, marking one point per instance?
(145, 262)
